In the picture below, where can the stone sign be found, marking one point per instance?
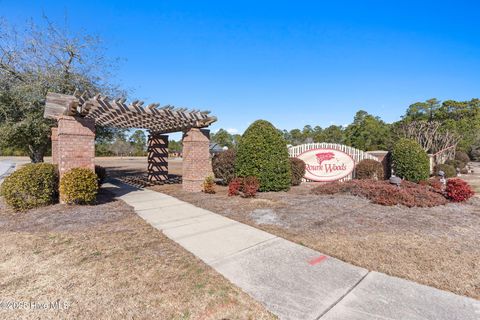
(325, 165)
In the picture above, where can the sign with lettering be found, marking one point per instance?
(325, 165)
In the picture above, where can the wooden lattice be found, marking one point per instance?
(116, 113)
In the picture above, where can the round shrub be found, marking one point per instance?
(223, 165)
(34, 185)
(79, 186)
(458, 190)
(369, 169)
(475, 152)
(410, 161)
(297, 166)
(462, 157)
(456, 164)
(262, 153)
(448, 169)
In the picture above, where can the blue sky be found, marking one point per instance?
(289, 62)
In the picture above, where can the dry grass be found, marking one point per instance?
(436, 246)
(107, 263)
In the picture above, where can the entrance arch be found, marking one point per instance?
(73, 141)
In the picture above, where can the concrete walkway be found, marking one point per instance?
(292, 281)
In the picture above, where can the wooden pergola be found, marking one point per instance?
(77, 115)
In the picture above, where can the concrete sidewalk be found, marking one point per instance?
(292, 281)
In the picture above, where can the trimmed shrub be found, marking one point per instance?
(410, 161)
(382, 192)
(456, 164)
(475, 152)
(101, 173)
(79, 186)
(223, 165)
(34, 185)
(369, 169)
(250, 187)
(297, 166)
(462, 157)
(262, 153)
(449, 170)
(458, 190)
(235, 186)
(208, 185)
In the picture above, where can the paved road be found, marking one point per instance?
(6, 166)
(292, 281)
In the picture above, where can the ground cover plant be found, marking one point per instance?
(92, 257)
(382, 192)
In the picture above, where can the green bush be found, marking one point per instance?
(369, 169)
(262, 153)
(223, 165)
(448, 169)
(462, 157)
(456, 164)
(410, 161)
(297, 166)
(79, 186)
(475, 152)
(31, 186)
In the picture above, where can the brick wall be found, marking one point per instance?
(157, 157)
(197, 164)
(76, 143)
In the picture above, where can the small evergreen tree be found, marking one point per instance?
(262, 152)
(410, 161)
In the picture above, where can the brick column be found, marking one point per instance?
(54, 145)
(196, 159)
(76, 143)
(157, 157)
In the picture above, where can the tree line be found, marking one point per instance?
(368, 132)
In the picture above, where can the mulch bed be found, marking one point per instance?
(437, 246)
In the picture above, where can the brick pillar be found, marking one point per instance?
(76, 143)
(54, 145)
(196, 159)
(157, 157)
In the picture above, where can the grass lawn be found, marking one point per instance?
(437, 246)
(104, 262)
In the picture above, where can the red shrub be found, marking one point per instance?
(382, 192)
(250, 187)
(458, 190)
(234, 186)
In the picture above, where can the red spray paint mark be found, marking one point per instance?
(317, 260)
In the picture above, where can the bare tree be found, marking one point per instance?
(40, 59)
(432, 138)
